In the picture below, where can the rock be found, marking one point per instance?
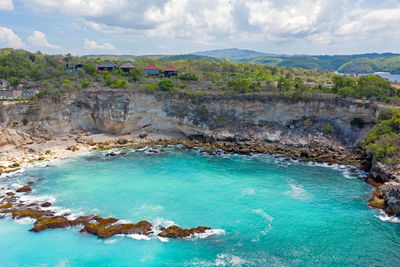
(10, 194)
(31, 183)
(377, 201)
(45, 205)
(143, 135)
(25, 188)
(106, 228)
(177, 232)
(44, 223)
(6, 206)
(391, 194)
(31, 213)
(122, 141)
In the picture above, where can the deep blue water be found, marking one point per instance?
(272, 212)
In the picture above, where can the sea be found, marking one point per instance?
(265, 210)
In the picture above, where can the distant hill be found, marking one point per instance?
(361, 63)
(233, 53)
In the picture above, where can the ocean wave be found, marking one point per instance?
(138, 237)
(384, 217)
(208, 233)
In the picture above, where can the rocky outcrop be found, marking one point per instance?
(391, 195)
(177, 232)
(91, 224)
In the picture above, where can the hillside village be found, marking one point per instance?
(12, 90)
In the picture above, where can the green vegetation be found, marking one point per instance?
(328, 129)
(57, 73)
(383, 142)
(165, 84)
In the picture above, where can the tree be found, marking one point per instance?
(165, 84)
(136, 75)
(90, 69)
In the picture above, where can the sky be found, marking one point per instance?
(140, 27)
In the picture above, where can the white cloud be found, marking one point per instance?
(39, 40)
(221, 21)
(92, 45)
(9, 39)
(6, 5)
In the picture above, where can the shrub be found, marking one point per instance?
(188, 77)
(119, 84)
(383, 141)
(165, 84)
(328, 129)
(308, 122)
(85, 84)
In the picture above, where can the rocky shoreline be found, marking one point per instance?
(316, 130)
(108, 227)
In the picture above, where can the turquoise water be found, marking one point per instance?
(273, 213)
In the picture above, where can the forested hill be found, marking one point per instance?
(362, 63)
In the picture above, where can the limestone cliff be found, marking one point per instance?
(254, 118)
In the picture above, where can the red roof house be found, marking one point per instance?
(151, 70)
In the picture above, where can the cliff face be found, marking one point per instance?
(229, 118)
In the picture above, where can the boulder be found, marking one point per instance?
(45, 204)
(177, 232)
(25, 188)
(391, 194)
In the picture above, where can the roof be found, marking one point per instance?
(127, 65)
(170, 68)
(107, 64)
(151, 67)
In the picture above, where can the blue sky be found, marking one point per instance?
(183, 26)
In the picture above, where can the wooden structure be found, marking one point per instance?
(127, 67)
(107, 65)
(170, 71)
(151, 70)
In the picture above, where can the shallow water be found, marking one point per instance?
(273, 212)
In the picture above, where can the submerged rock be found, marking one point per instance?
(25, 188)
(45, 223)
(106, 228)
(177, 232)
(46, 204)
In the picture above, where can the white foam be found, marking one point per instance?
(298, 192)
(25, 220)
(110, 241)
(229, 260)
(248, 191)
(208, 233)
(268, 220)
(384, 217)
(138, 237)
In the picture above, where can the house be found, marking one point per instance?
(127, 67)
(151, 70)
(107, 65)
(73, 68)
(170, 71)
(3, 84)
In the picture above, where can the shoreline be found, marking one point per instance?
(79, 142)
